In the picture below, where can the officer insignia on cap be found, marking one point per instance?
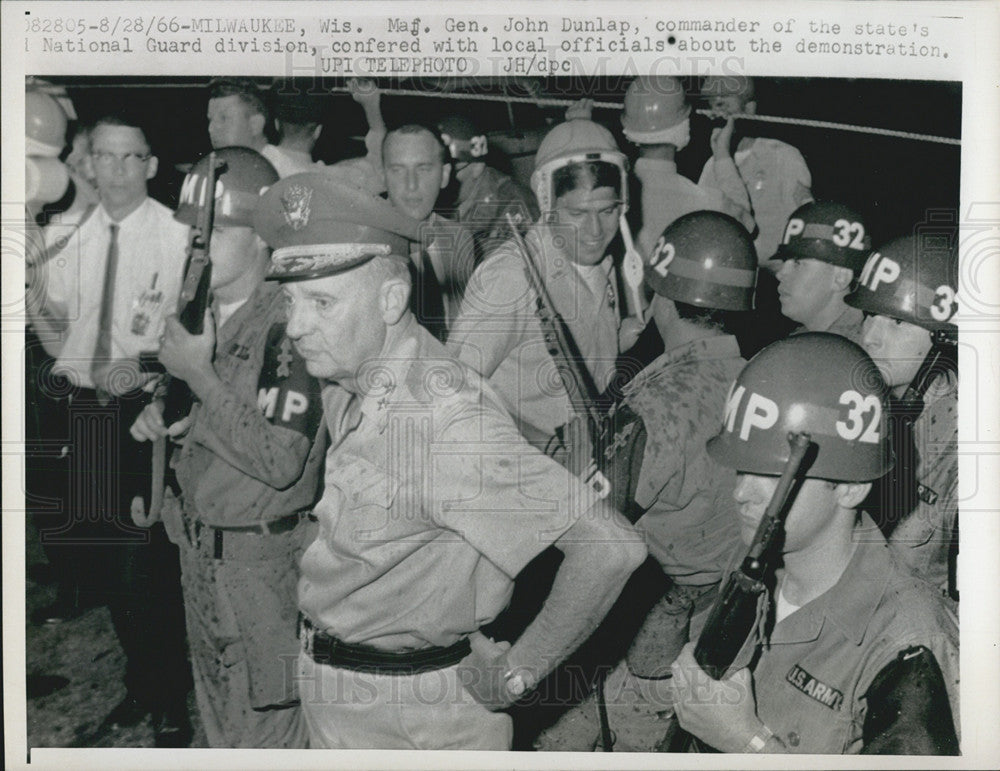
(296, 200)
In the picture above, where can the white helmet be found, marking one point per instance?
(575, 141)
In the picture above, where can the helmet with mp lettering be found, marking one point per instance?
(815, 382)
(707, 259)
(242, 177)
(828, 232)
(575, 141)
(44, 125)
(653, 104)
(465, 142)
(912, 279)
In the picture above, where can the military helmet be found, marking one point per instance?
(465, 142)
(241, 180)
(828, 232)
(816, 382)
(575, 141)
(911, 279)
(652, 105)
(44, 124)
(705, 258)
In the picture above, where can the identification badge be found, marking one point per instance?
(146, 308)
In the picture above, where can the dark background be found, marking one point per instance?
(892, 182)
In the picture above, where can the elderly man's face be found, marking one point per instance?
(414, 173)
(336, 323)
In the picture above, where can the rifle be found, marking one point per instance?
(734, 616)
(191, 306)
(574, 375)
(894, 495)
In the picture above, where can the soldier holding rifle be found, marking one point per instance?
(580, 181)
(248, 470)
(846, 651)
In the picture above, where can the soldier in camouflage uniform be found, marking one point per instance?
(248, 472)
(908, 290)
(702, 270)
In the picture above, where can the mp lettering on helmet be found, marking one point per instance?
(877, 270)
(794, 227)
(663, 255)
(758, 412)
(193, 190)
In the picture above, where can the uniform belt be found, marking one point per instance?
(195, 528)
(325, 649)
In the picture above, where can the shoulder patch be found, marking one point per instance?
(815, 689)
(286, 393)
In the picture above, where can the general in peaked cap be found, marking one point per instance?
(319, 226)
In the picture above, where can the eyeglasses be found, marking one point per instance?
(107, 159)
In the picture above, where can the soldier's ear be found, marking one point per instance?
(394, 299)
(151, 166)
(445, 175)
(257, 121)
(842, 277)
(850, 494)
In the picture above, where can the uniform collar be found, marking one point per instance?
(851, 603)
(539, 240)
(656, 164)
(708, 348)
(255, 306)
(133, 216)
(390, 375)
(847, 321)
(715, 347)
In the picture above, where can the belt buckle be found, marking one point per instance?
(307, 632)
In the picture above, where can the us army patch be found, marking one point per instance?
(825, 694)
(927, 495)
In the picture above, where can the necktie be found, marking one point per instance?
(101, 363)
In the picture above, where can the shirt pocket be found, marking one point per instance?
(368, 513)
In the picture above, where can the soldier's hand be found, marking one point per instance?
(581, 109)
(722, 139)
(629, 333)
(187, 356)
(139, 515)
(482, 672)
(722, 713)
(364, 91)
(149, 426)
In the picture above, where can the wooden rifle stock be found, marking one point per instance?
(561, 347)
(734, 615)
(191, 306)
(574, 375)
(195, 289)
